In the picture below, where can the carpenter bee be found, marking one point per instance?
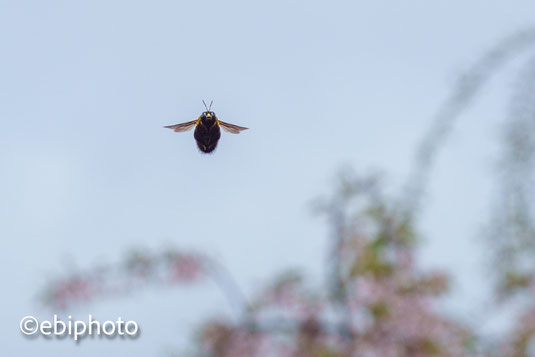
(207, 132)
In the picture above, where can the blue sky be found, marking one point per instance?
(88, 172)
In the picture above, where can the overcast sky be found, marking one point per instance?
(87, 172)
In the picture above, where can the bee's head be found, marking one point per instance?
(208, 115)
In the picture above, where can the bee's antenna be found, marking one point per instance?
(205, 105)
(210, 107)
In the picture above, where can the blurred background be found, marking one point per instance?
(437, 98)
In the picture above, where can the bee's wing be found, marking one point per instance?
(183, 126)
(231, 128)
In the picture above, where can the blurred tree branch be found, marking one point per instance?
(464, 93)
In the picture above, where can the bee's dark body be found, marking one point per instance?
(207, 133)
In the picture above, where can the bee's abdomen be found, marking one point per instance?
(207, 135)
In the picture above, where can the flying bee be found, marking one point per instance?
(207, 132)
